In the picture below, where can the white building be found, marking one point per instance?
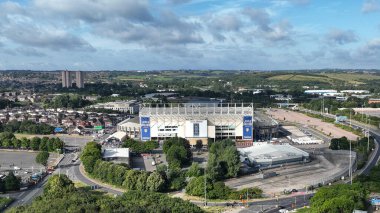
(320, 92)
(266, 154)
(118, 155)
(195, 122)
(355, 91)
(123, 106)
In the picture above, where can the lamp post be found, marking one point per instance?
(350, 164)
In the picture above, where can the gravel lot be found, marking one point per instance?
(296, 117)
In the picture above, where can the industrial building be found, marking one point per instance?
(320, 92)
(130, 106)
(268, 155)
(117, 155)
(67, 81)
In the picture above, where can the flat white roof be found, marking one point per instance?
(116, 153)
(271, 151)
(118, 135)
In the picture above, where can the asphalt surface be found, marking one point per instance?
(374, 132)
(66, 166)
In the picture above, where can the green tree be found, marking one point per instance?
(11, 182)
(2, 186)
(339, 198)
(43, 145)
(176, 156)
(7, 143)
(25, 143)
(155, 182)
(42, 158)
(199, 145)
(131, 178)
(194, 170)
(223, 160)
(58, 186)
(91, 153)
(141, 183)
(35, 143)
(196, 186)
(16, 143)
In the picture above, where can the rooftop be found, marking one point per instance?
(197, 109)
(116, 153)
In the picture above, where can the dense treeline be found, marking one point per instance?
(61, 195)
(10, 183)
(223, 160)
(67, 101)
(178, 152)
(138, 147)
(8, 140)
(372, 180)
(339, 198)
(28, 127)
(4, 103)
(120, 175)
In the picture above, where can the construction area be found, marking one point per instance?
(328, 129)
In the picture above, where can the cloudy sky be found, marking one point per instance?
(189, 34)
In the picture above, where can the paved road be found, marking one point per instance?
(89, 182)
(66, 166)
(375, 132)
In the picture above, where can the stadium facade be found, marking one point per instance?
(193, 121)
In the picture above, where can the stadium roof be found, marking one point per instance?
(198, 109)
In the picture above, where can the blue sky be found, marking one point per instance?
(189, 34)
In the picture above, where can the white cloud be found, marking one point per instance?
(341, 37)
(370, 6)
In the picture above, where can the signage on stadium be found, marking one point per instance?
(247, 128)
(145, 128)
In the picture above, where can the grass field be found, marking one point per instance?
(350, 78)
(4, 202)
(292, 77)
(353, 78)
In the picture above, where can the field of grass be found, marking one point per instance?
(4, 202)
(292, 77)
(353, 78)
(350, 78)
(131, 77)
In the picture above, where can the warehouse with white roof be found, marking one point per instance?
(266, 154)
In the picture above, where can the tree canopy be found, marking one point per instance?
(42, 158)
(339, 198)
(61, 195)
(178, 152)
(223, 161)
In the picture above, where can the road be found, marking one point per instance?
(65, 166)
(374, 132)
